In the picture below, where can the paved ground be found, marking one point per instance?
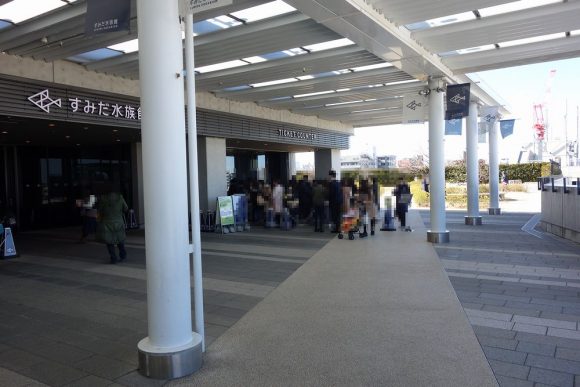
(521, 292)
(68, 318)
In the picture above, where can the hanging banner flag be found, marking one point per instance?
(506, 127)
(490, 114)
(482, 129)
(107, 16)
(457, 99)
(414, 109)
(454, 127)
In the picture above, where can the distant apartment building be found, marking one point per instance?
(362, 161)
(384, 162)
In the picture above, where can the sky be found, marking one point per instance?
(517, 88)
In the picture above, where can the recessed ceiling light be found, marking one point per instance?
(85, 127)
(52, 124)
(78, 144)
(27, 141)
(118, 140)
(4, 132)
(115, 130)
(67, 136)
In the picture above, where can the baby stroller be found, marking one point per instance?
(349, 224)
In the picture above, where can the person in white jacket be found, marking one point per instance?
(278, 200)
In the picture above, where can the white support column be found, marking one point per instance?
(171, 349)
(291, 164)
(438, 232)
(472, 163)
(194, 178)
(494, 171)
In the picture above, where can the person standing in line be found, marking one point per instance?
(111, 227)
(334, 201)
(318, 198)
(278, 200)
(402, 195)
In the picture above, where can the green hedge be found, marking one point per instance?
(528, 172)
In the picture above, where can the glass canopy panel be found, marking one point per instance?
(328, 45)
(221, 66)
(95, 55)
(276, 82)
(263, 11)
(126, 47)
(514, 6)
(4, 24)
(18, 11)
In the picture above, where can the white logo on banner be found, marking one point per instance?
(457, 98)
(43, 100)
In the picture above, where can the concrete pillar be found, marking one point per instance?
(494, 170)
(324, 161)
(438, 232)
(291, 164)
(472, 163)
(211, 153)
(171, 349)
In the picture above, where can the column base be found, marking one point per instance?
(494, 211)
(438, 237)
(473, 220)
(180, 362)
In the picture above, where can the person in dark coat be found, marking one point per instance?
(318, 198)
(402, 192)
(111, 227)
(304, 198)
(335, 201)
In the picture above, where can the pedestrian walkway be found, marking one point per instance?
(520, 289)
(69, 319)
(377, 311)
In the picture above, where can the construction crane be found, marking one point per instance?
(540, 119)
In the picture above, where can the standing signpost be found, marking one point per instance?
(187, 9)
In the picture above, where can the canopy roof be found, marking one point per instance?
(344, 60)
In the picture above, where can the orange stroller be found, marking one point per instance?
(349, 225)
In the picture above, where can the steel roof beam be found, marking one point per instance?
(532, 22)
(339, 81)
(357, 94)
(404, 12)
(545, 51)
(341, 109)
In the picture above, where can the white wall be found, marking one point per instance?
(211, 154)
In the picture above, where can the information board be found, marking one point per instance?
(225, 210)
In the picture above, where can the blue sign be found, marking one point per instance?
(454, 127)
(506, 127)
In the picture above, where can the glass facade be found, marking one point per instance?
(53, 179)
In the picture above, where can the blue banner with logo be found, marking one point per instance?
(457, 99)
(506, 127)
(454, 127)
(107, 16)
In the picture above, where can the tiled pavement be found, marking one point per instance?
(521, 292)
(69, 319)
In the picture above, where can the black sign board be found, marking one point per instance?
(107, 16)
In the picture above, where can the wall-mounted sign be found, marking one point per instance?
(296, 134)
(84, 105)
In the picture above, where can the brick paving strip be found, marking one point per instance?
(520, 290)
